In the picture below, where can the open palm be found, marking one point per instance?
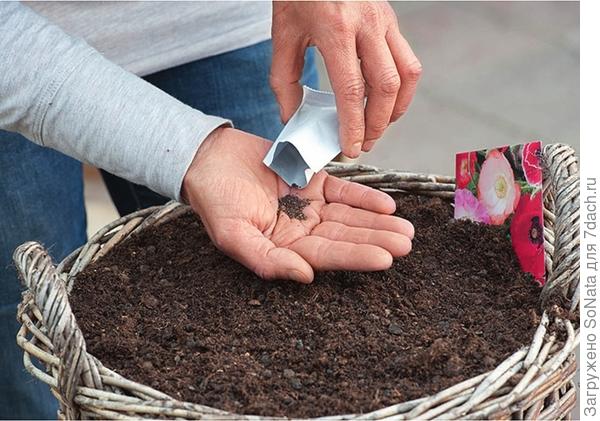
(347, 226)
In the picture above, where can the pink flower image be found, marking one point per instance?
(465, 168)
(496, 189)
(532, 165)
(527, 235)
(466, 206)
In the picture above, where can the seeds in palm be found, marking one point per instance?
(293, 206)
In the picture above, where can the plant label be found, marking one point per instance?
(504, 186)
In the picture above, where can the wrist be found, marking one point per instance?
(196, 164)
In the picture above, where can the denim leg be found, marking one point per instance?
(41, 198)
(234, 85)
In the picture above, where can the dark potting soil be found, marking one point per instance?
(166, 309)
(293, 206)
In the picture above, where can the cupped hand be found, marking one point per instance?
(348, 226)
(365, 55)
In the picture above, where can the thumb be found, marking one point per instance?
(286, 70)
(250, 247)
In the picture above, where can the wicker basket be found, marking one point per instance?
(536, 382)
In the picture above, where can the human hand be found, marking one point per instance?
(348, 226)
(364, 53)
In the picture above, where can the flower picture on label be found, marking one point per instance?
(504, 186)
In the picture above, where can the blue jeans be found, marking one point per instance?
(41, 198)
(41, 192)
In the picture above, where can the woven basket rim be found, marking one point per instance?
(85, 388)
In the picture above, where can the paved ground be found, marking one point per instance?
(494, 73)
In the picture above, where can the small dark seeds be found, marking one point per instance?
(293, 206)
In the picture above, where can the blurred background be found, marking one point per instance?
(494, 73)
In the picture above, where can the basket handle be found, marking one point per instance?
(49, 293)
(561, 179)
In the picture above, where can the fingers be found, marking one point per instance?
(409, 69)
(383, 83)
(325, 254)
(346, 79)
(286, 71)
(396, 244)
(357, 195)
(246, 244)
(352, 217)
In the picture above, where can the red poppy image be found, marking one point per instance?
(465, 168)
(527, 235)
(532, 165)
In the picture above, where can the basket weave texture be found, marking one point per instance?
(536, 382)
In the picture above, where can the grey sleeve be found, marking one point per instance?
(61, 93)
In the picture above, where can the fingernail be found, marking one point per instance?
(355, 150)
(411, 232)
(299, 276)
(368, 145)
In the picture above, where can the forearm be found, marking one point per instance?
(61, 93)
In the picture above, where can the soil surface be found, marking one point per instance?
(167, 309)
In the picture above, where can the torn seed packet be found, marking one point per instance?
(504, 186)
(308, 141)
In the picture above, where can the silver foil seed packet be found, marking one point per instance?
(308, 141)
